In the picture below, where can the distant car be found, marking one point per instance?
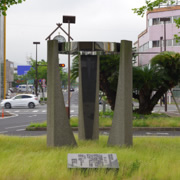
(21, 100)
(71, 89)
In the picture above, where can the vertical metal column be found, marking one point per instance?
(89, 97)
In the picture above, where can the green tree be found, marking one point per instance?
(149, 83)
(42, 71)
(5, 4)
(109, 67)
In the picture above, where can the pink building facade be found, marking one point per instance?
(149, 39)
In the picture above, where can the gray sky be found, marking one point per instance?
(96, 20)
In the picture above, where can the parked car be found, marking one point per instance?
(25, 88)
(71, 89)
(21, 100)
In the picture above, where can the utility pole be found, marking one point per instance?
(36, 79)
(165, 20)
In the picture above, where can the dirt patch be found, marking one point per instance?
(6, 114)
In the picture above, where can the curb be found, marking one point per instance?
(108, 129)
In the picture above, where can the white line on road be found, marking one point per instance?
(16, 126)
(44, 111)
(163, 133)
(72, 111)
(35, 111)
(16, 111)
(3, 132)
(148, 133)
(20, 129)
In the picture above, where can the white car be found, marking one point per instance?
(21, 100)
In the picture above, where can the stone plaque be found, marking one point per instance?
(93, 161)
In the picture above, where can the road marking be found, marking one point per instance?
(163, 133)
(44, 111)
(35, 111)
(16, 126)
(72, 111)
(20, 129)
(148, 133)
(3, 132)
(16, 111)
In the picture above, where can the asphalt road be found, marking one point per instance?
(16, 124)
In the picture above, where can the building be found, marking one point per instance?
(149, 39)
(1, 56)
(9, 74)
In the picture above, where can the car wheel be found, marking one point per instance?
(31, 105)
(7, 105)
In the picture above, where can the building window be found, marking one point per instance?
(141, 49)
(176, 43)
(169, 42)
(146, 46)
(150, 22)
(155, 21)
(155, 44)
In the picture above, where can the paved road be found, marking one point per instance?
(23, 117)
(16, 125)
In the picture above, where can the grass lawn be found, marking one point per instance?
(153, 120)
(28, 158)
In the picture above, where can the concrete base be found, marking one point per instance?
(88, 97)
(121, 130)
(59, 132)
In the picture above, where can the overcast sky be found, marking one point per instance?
(96, 20)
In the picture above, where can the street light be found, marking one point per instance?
(36, 43)
(165, 20)
(69, 20)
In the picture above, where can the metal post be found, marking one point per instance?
(5, 58)
(68, 19)
(36, 79)
(36, 73)
(161, 40)
(164, 35)
(164, 20)
(69, 70)
(165, 99)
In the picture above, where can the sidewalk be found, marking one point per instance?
(173, 113)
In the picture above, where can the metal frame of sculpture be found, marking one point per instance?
(59, 132)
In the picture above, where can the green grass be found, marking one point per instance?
(105, 120)
(157, 122)
(28, 158)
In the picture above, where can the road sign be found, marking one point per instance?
(43, 82)
(30, 81)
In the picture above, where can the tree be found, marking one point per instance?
(42, 71)
(5, 4)
(152, 83)
(109, 67)
(149, 83)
